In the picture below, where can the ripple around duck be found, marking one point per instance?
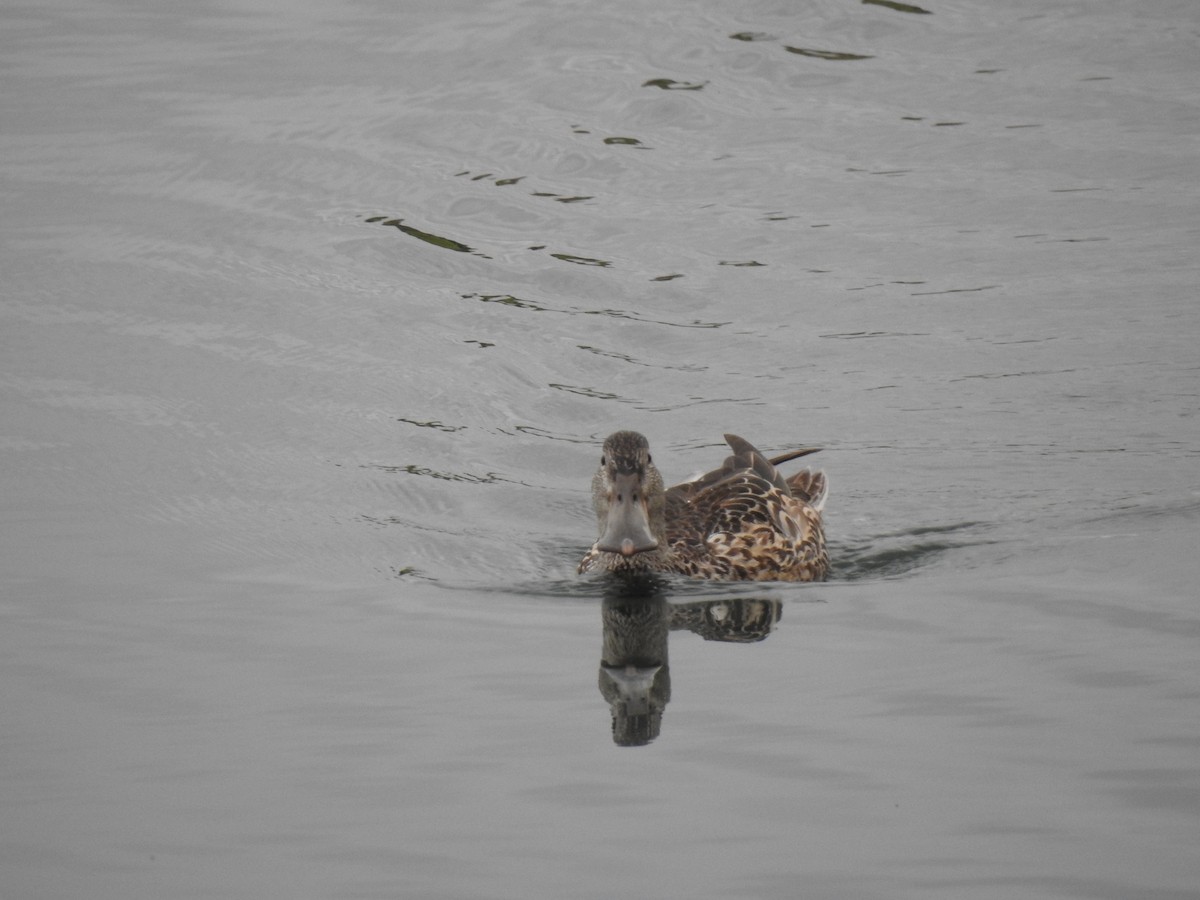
(884, 557)
(898, 554)
(677, 588)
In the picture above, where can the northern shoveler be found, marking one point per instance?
(740, 522)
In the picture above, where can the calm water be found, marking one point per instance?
(313, 316)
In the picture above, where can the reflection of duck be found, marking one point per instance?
(743, 521)
(635, 677)
(738, 621)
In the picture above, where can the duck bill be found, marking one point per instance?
(627, 528)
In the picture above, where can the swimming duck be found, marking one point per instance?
(741, 522)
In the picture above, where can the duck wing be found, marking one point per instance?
(746, 457)
(744, 519)
(810, 487)
(694, 506)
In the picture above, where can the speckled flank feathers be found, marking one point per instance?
(740, 522)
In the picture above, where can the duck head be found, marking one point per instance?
(628, 495)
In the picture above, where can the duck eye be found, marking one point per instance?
(602, 460)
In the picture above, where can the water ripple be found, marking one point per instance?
(519, 303)
(900, 553)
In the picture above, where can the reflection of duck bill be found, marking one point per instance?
(634, 686)
(632, 679)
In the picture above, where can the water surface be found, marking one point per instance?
(315, 315)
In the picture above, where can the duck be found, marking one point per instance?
(742, 521)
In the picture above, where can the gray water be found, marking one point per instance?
(314, 316)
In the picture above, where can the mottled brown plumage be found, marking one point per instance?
(740, 522)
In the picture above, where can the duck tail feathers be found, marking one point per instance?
(811, 487)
